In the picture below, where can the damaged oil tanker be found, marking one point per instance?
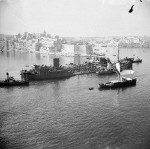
(46, 72)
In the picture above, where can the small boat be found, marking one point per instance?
(133, 60)
(10, 81)
(137, 60)
(91, 88)
(129, 59)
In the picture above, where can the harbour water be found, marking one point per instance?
(65, 114)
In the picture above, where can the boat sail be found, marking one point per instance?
(118, 67)
(127, 72)
(124, 72)
(118, 70)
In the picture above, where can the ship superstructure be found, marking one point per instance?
(43, 72)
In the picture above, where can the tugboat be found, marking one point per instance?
(138, 60)
(10, 81)
(121, 82)
(133, 60)
(125, 82)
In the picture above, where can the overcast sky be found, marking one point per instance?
(75, 17)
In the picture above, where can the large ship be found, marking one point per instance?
(125, 64)
(47, 72)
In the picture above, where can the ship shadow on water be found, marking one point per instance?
(3, 142)
(39, 82)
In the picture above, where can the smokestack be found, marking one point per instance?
(56, 62)
(7, 75)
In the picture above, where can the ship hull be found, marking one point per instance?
(126, 65)
(49, 76)
(137, 61)
(15, 83)
(107, 72)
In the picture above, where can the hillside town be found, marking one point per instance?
(67, 46)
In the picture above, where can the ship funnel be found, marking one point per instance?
(56, 62)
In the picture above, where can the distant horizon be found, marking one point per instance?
(77, 36)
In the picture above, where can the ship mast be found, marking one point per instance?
(118, 51)
(118, 63)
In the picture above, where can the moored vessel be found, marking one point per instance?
(121, 81)
(138, 60)
(47, 72)
(133, 60)
(105, 72)
(124, 82)
(108, 70)
(10, 81)
(125, 64)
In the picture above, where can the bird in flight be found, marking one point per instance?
(131, 9)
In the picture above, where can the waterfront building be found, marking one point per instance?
(112, 43)
(2, 41)
(80, 50)
(9, 42)
(146, 42)
(67, 49)
(52, 50)
(98, 49)
(89, 49)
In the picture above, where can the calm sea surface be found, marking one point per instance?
(65, 114)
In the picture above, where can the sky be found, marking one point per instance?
(74, 18)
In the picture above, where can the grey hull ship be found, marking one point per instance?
(125, 82)
(47, 72)
(125, 64)
(46, 75)
(105, 72)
